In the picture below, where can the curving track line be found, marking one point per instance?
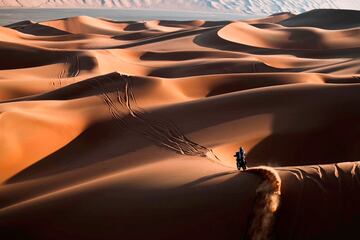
(73, 70)
(163, 133)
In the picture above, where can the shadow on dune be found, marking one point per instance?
(215, 23)
(162, 37)
(218, 67)
(138, 35)
(316, 124)
(135, 26)
(324, 131)
(21, 56)
(36, 29)
(319, 202)
(186, 55)
(211, 39)
(329, 144)
(141, 26)
(241, 82)
(11, 232)
(207, 178)
(84, 151)
(325, 18)
(116, 207)
(87, 87)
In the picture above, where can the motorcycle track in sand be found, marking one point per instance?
(267, 202)
(163, 133)
(71, 69)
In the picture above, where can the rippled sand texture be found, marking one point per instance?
(127, 130)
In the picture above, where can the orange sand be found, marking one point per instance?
(127, 130)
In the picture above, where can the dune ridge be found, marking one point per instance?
(118, 124)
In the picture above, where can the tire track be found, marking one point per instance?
(71, 69)
(74, 69)
(163, 133)
(58, 81)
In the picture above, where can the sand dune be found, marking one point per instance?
(127, 130)
(290, 38)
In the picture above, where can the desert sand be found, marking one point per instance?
(127, 130)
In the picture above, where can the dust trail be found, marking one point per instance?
(267, 202)
(163, 133)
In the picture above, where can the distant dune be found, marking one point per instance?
(241, 6)
(127, 130)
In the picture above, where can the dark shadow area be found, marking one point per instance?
(22, 56)
(84, 151)
(136, 26)
(36, 29)
(162, 37)
(211, 39)
(212, 211)
(141, 35)
(115, 21)
(13, 233)
(215, 23)
(247, 82)
(81, 62)
(85, 88)
(320, 206)
(327, 141)
(316, 125)
(208, 178)
(109, 82)
(265, 25)
(217, 67)
(343, 80)
(328, 145)
(186, 55)
(332, 19)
